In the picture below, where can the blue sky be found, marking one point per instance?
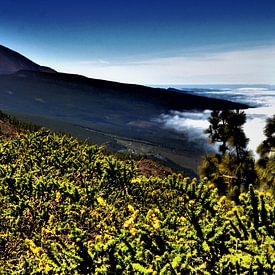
(147, 42)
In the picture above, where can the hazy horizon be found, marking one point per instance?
(209, 85)
(155, 42)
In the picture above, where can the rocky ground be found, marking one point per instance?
(7, 130)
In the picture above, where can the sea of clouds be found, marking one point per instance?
(193, 124)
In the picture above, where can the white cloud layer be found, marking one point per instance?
(194, 123)
(255, 65)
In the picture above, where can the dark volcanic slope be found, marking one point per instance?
(136, 95)
(163, 98)
(11, 61)
(110, 93)
(119, 116)
(122, 117)
(110, 107)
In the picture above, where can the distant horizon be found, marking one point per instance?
(141, 42)
(141, 82)
(272, 85)
(190, 85)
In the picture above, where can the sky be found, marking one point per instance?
(147, 42)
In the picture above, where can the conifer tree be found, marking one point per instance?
(267, 147)
(233, 165)
(266, 163)
(218, 131)
(237, 140)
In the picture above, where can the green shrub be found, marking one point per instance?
(66, 208)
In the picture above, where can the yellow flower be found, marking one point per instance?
(47, 269)
(182, 220)
(242, 196)
(57, 196)
(36, 250)
(133, 231)
(136, 180)
(101, 201)
(205, 246)
(211, 186)
(51, 219)
(222, 200)
(131, 208)
(128, 223)
(156, 224)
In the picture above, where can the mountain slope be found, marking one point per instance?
(122, 117)
(11, 62)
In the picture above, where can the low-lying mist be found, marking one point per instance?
(193, 124)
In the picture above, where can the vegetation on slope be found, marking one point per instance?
(10, 127)
(232, 168)
(266, 163)
(66, 208)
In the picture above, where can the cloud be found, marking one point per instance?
(97, 62)
(254, 65)
(255, 137)
(192, 124)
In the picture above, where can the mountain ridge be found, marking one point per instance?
(169, 99)
(12, 61)
(122, 117)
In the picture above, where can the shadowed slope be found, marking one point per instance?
(11, 61)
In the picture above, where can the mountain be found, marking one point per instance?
(122, 117)
(11, 62)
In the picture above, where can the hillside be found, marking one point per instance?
(7, 130)
(11, 62)
(164, 99)
(122, 117)
(26, 72)
(67, 208)
(10, 128)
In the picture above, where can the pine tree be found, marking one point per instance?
(226, 128)
(267, 147)
(218, 131)
(237, 140)
(233, 167)
(266, 163)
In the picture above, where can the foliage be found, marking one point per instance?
(267, 147)
(266, 163)
(232, 169)
(267, 175)
(226, 129)
(66, 208)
